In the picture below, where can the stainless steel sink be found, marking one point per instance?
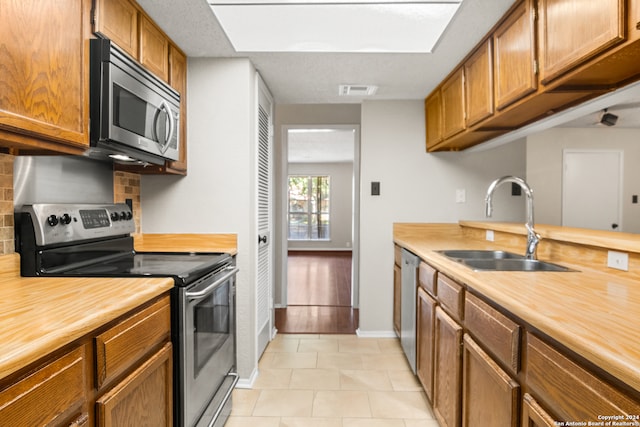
(485, 260)
(479, 254)
(513, 265)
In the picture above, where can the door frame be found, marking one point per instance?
(355, 219)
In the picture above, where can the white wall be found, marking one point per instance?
(544, 168)
(215, 196)
(340, 204)
(417, 187)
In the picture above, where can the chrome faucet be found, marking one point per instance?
(533, 238)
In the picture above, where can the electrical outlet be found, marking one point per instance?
(461, 196)
(618, 260)
(375, 188)
(489, 235)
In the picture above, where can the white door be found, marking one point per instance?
(264, 216)
(592, 189)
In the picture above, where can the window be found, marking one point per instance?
(308, 207)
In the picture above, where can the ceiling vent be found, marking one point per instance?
(357, 90)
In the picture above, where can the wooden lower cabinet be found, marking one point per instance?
(143, 399)
(397, 298)
(426, 311)
(533, 415)
(490, 397)
(447, 366)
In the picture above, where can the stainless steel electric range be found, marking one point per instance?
(95, 241)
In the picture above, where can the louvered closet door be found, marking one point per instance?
(264, 268)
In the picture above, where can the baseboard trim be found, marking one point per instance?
(248, 382)
(375, 334)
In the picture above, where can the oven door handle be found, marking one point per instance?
(236, 377)
(199, 294)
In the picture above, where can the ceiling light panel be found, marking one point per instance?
(400, 26)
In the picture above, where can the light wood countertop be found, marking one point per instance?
(186, 243)
(594, 311)
(41, 315)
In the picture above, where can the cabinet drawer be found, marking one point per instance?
(570, 392)
(120, 347)
(499, 334)
(450, 295)
(427, 278)
(47, 397)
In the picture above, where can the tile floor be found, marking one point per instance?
(332, 381)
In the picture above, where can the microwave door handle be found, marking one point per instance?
(164, 106)
(192, 296)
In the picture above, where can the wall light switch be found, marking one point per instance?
(461, 196)
(618, 260)
(489, 235)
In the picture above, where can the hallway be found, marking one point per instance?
(319, 294)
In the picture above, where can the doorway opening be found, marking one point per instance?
(320, 250)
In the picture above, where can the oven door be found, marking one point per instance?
(206, 356)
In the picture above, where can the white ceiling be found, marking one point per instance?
(313, 78)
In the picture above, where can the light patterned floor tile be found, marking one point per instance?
(315, 379)
(284, 403)
(283, 345)
(341, 404)
(310, 422)
(359, 379)
(404, 380)
(389, 345)
(361, 345)
(318, 346)
(390, 361)
(253, 422)
(421, 423)
(340, 360)
(408, 404)
(270, 378)
(372, 422)
(243, 401)
(291, 361)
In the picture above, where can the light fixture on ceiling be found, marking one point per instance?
(608, 119)
(357, 90)
(345, 26)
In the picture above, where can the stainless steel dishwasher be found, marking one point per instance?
(409, 269)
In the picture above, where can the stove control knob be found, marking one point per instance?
(52, 220)
(123, 216)
(115, 216)
(65, 219)
(129, 216)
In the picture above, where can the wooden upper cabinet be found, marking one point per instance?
(478, 72)
(453, 104)
(514, 56)
(44, 72)
(154, 49)
(572, 31)
(178, 80)
(433, 112)
(117, 20)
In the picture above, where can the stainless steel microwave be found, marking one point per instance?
(135, 116)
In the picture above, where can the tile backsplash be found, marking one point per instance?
(7, 245)
(125, 186)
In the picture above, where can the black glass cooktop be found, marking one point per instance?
(183, 267)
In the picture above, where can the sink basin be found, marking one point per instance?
(513, 265)
(479, 254)
(485, 260)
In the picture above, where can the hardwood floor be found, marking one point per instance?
(319, 295)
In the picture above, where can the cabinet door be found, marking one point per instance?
(44, 71)
(433, 113)
(489, 396)
(52, 395)
(453, 104)
(154, 49)
(571, 32)
(143, 399)
(426, 311)
(117, 20)
(447, 367)
(533, 415)
(514, 56)
(178, 80)
(478, 76)
(397, 297)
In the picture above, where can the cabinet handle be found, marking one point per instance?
(82, 420)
